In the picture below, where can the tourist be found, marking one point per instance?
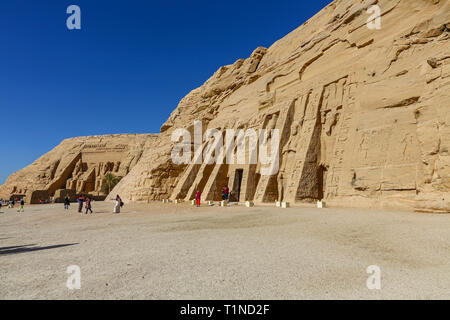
(118, 204)
(1, 204)
(80, 203)
(66, 203)
(88, 205)
(198, 196)
(22, 204)
(12, 203)
(225, 193)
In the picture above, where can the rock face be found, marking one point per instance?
(363, 114)
(77, 166)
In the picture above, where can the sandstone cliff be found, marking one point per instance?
(77, 165)
(364, 114)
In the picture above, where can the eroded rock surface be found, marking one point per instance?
(77, 166)
(364, 114)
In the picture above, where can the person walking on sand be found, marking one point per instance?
(80, 204)
(118, 204)
(12, 203)
(22, 203)
(198, 197)
(66, 203)
(225, 192)
(88, 205)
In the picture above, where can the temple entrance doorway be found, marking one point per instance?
(321, 180)
(236, 192)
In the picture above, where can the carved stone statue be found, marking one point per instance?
(116, 166)
(271, 125)
(287, 157)
(78, 168)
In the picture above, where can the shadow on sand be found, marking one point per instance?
(30, 248)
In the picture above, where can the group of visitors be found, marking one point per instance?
(81, 200)
(87, 202)
(225, 195)
(12, 203)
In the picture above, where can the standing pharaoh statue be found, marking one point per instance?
(271, 120)
(287, 157)
(272, 124)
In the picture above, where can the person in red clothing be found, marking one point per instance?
(225, 193)
(80, 203)
(88, 205)
(198, 196)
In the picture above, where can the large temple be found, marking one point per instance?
(362, 112)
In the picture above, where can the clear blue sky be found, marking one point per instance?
(125, 70)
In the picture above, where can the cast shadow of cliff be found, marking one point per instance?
(30, 248)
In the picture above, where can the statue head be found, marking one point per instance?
(294, 128)
(272, 116)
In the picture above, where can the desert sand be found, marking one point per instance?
(176, 251)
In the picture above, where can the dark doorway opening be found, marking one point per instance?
(321, 181)
(236, 193)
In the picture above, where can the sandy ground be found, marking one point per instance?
(173, 251)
